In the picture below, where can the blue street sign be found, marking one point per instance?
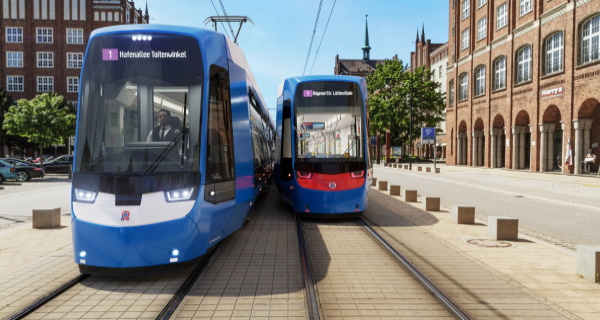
(427, 135)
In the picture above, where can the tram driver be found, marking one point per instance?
(164, 131)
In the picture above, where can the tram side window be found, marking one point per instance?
(220, 134)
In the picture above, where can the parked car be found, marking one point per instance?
(59, 165)
(26, 170)
(46, 157)
(7, 171)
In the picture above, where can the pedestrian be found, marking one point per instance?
(559, 159)
(590, 158)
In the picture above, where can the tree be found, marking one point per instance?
(391, 88)
(45, 120)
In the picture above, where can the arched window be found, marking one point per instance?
(463, 90)
(451, 93)
(500, 73)
(554, 46)
(480, 80)
(524, 64)
(590, 39)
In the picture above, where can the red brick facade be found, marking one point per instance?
(79, 17)
(526, 123)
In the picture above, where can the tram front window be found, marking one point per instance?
(128, 89)
(329, 117)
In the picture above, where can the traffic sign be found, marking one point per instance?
(427, 135)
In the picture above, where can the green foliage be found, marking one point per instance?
(391, 88)
(45, 120)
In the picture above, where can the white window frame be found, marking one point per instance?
(500, 73)
(15, 83)
(14, 34)
(73, 84)
(74, 60)
(14, 59)
(502, 16)
(44, 35)
(524, 7)
(451, 93)
(463, 90)
(590, 40)
(481, 3)
(482, 28)
(45, 59)
(464, 42)
(554, 45)
(466, 9)
(45, 84)
(524, 64)
(74, 36)
(480, 80)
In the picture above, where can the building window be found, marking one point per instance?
(480, 80)
(481, 3)
(463, 90)
(501, 16)
(525, 7)
(440, 72)
(451, 93)
(45, 59)
(74, 36)
(44, 35)
(45, 84)
(500, 73)
(72, 84)
(14, 59)
(15, 83)
(14, 35)
(481, 28)
(466, 8)
(524, 64)
(554, 53)
(127, 16)
(590, 39)
(465, 39)
(74, 60)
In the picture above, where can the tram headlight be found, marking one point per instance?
(82, 195)
(179, 194)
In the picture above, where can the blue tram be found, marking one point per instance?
(322, 164)
(173, 146)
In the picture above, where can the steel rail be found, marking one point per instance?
(307, 274)
(187, 285)
(444, 299)
(47, 298)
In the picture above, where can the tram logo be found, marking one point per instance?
(125, 215)
(307, 94)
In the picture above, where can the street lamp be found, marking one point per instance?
(410, 106)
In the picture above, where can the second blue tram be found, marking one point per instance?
(322, 164)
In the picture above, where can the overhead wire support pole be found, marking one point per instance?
(241, 19)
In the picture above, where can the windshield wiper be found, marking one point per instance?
(172, 144)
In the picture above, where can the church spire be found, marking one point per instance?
(366, 48)
(146, 16)
(423, 34)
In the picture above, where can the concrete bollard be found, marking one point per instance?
(588, 262)
(383, 185)
(437, 170)
(394, 190)
(419, 168)
(410, 195)
(395, 165)
(405, 166)
(503, 228)
(463, 214)
(46, 218)
(427, 169)
(374, 182)
(431, 203)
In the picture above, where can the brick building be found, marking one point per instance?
(522, 82)
(435, 57)
(44, 41)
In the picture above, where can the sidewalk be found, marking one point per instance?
(543, 270)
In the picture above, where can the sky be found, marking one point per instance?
(277, 44)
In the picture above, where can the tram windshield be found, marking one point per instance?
(329, 121)
(140, 105)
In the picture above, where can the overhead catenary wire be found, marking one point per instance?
(313, 36)
(323, 36)
(225, 14)
(219, 15)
